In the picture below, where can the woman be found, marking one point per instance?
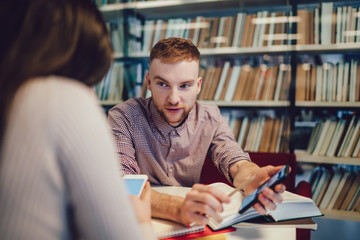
(58, 174)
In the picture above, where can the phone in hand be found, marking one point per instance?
(134, 184)
(275, 179)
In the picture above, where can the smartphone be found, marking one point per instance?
(134, 184)
(275, 179)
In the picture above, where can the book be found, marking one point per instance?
(226, 84)
(164, 228)
(214, 82)
(303, 223)
(232, 83)
(207, 234)
(274, 135)
(241, 83)
(265, 141)
(302, 27)
(238, 28)
(335, 140)
(222, 80)
(352, 140)
(350, 194)
(344, 190)
(244, 130)
(338, 189)
(301, 82)
(354, 199)
(148, 32)
(293, 207)
(346, 137)
(338, 172)
(206, 82)
(322, 185)
(326, 22)
(328, 137)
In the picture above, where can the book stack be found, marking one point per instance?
(328, 24)
(255, 29)
(336, 188)
(264, 133)
(329, 82)
(112, 86)
(336, 137)
(231, 81)
(123, 81)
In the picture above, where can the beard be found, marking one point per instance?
(180, 120)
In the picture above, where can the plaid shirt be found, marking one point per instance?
(147, 144)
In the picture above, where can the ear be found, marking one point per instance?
(147, 79)
(199, 84)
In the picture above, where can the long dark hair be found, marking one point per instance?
(50, 37)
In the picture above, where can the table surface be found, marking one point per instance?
(277, 233)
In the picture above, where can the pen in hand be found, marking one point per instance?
(241, 187)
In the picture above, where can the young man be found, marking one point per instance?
(169, 135)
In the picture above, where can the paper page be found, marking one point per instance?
(166, 228)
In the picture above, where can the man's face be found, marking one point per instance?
(174, 88)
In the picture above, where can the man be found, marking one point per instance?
(169, 135)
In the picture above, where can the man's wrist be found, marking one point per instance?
(166, 206)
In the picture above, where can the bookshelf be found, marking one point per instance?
(130, 18)
(341, 215)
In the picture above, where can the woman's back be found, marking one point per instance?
(58, 175)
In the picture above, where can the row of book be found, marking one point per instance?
(322, 25)
(237, 82)
(262, 28)
(329, 24)
(329, 82)
(123, 81)
(336, 188)
(227, 80)
(336, 137)
(265, 133)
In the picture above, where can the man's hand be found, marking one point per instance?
(268, 198)
(201, 203)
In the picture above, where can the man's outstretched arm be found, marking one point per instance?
(199, 204)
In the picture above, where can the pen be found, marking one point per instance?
(241, 188)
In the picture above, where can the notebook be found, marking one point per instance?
(166, 228)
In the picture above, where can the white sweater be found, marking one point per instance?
(58, 169)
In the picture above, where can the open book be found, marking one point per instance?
(293, 207)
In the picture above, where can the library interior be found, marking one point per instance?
(284, 73)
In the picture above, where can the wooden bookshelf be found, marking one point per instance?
(303, 156)
(249, 103)
(168, 8)
(332, 48)
(341, 215)
(324, 104)
(245, 51)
